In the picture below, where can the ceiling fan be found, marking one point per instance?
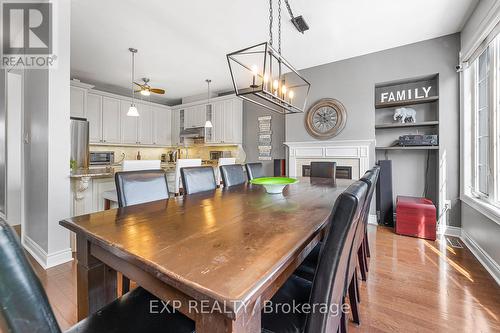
(146, 90)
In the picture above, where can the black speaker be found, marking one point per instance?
(385, 205)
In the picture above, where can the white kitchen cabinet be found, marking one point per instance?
(227, 121)
(78, 98)
(94, 117)
(129, 129)
(176, 127)
(145, 125)
(194, 116)
(110, 120)
(162, 125)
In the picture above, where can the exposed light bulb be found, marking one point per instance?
(276, 85)
(132, 111)
(266, 78)
(283, 90)
(291, 94)
(255, 69)
(145, 92)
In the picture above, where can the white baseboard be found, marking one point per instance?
(482, 256)
(372, 219)
(43, 258)
(449, 231)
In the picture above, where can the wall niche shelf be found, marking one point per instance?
(415, 169)
(408, 148)
(407, 102)
(399, 125)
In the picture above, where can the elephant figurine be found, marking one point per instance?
(405, 115)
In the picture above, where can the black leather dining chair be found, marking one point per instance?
(254, 170)
(329, 285)
(370, 178)
(198, 179)
(24, 306)
(232, 175)
(324, 169)
(136, 187)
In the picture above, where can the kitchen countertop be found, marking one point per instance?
(109, 172)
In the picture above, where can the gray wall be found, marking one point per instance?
(250, 134)
(352, 81)
(485, 232)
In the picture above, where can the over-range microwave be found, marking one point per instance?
(102, 157)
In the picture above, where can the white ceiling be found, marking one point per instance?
(181, 43)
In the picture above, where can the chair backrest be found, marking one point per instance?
(223, 161)
(232, 175)
(133, 165)
(324, 169)
(370, 178)
(198, 179)
(330, 281)
(24, 306)
(182, 163)
(136, 187)
(254, 170)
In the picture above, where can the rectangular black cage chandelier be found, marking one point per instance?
(261, 75)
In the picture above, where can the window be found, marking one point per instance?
(483, 80)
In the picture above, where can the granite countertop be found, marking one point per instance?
(108, 172)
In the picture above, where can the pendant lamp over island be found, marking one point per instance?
(261, 75)
(132, 110)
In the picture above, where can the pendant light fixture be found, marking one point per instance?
(208, 123)
(132, 110)
(263, 76)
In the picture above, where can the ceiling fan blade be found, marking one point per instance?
(136, 91)
(157, 91)
(140, 85)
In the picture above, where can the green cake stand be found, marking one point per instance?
(274, 185)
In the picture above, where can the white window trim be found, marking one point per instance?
(482, 206)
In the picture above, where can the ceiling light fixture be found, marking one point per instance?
(132, 110)
(263, 76)
(208, 123)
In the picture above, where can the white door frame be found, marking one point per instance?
(22, 192)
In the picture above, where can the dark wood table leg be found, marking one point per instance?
(248, 322)
(96, 282)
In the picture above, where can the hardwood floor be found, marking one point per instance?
(413, 285)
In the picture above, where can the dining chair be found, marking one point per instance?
(329, 285)
(220, 162)
(324, 169)
(254, 170)
(198, 179)
(24, 306)
(370, 178)
(183, 163)
(136, 187)
(232, 175)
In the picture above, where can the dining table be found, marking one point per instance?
(216, 256)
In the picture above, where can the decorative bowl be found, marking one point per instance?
(274, 185)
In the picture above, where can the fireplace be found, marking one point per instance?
(342, 172)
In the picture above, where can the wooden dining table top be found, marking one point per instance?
(224, 245)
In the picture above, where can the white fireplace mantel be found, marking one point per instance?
(359, 150)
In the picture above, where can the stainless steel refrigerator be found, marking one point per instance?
(79, 143)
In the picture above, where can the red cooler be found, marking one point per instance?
(416, 217)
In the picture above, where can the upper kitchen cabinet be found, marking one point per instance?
(162, 126)
(110, 120)
(77, 102)
(145, 125)
(94, 117)
(226, 117)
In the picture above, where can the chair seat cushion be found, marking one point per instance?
(132, 313)
(308, 267)
(282, 319)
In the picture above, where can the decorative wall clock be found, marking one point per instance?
(326, 118)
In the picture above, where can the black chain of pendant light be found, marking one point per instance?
(271, 22)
